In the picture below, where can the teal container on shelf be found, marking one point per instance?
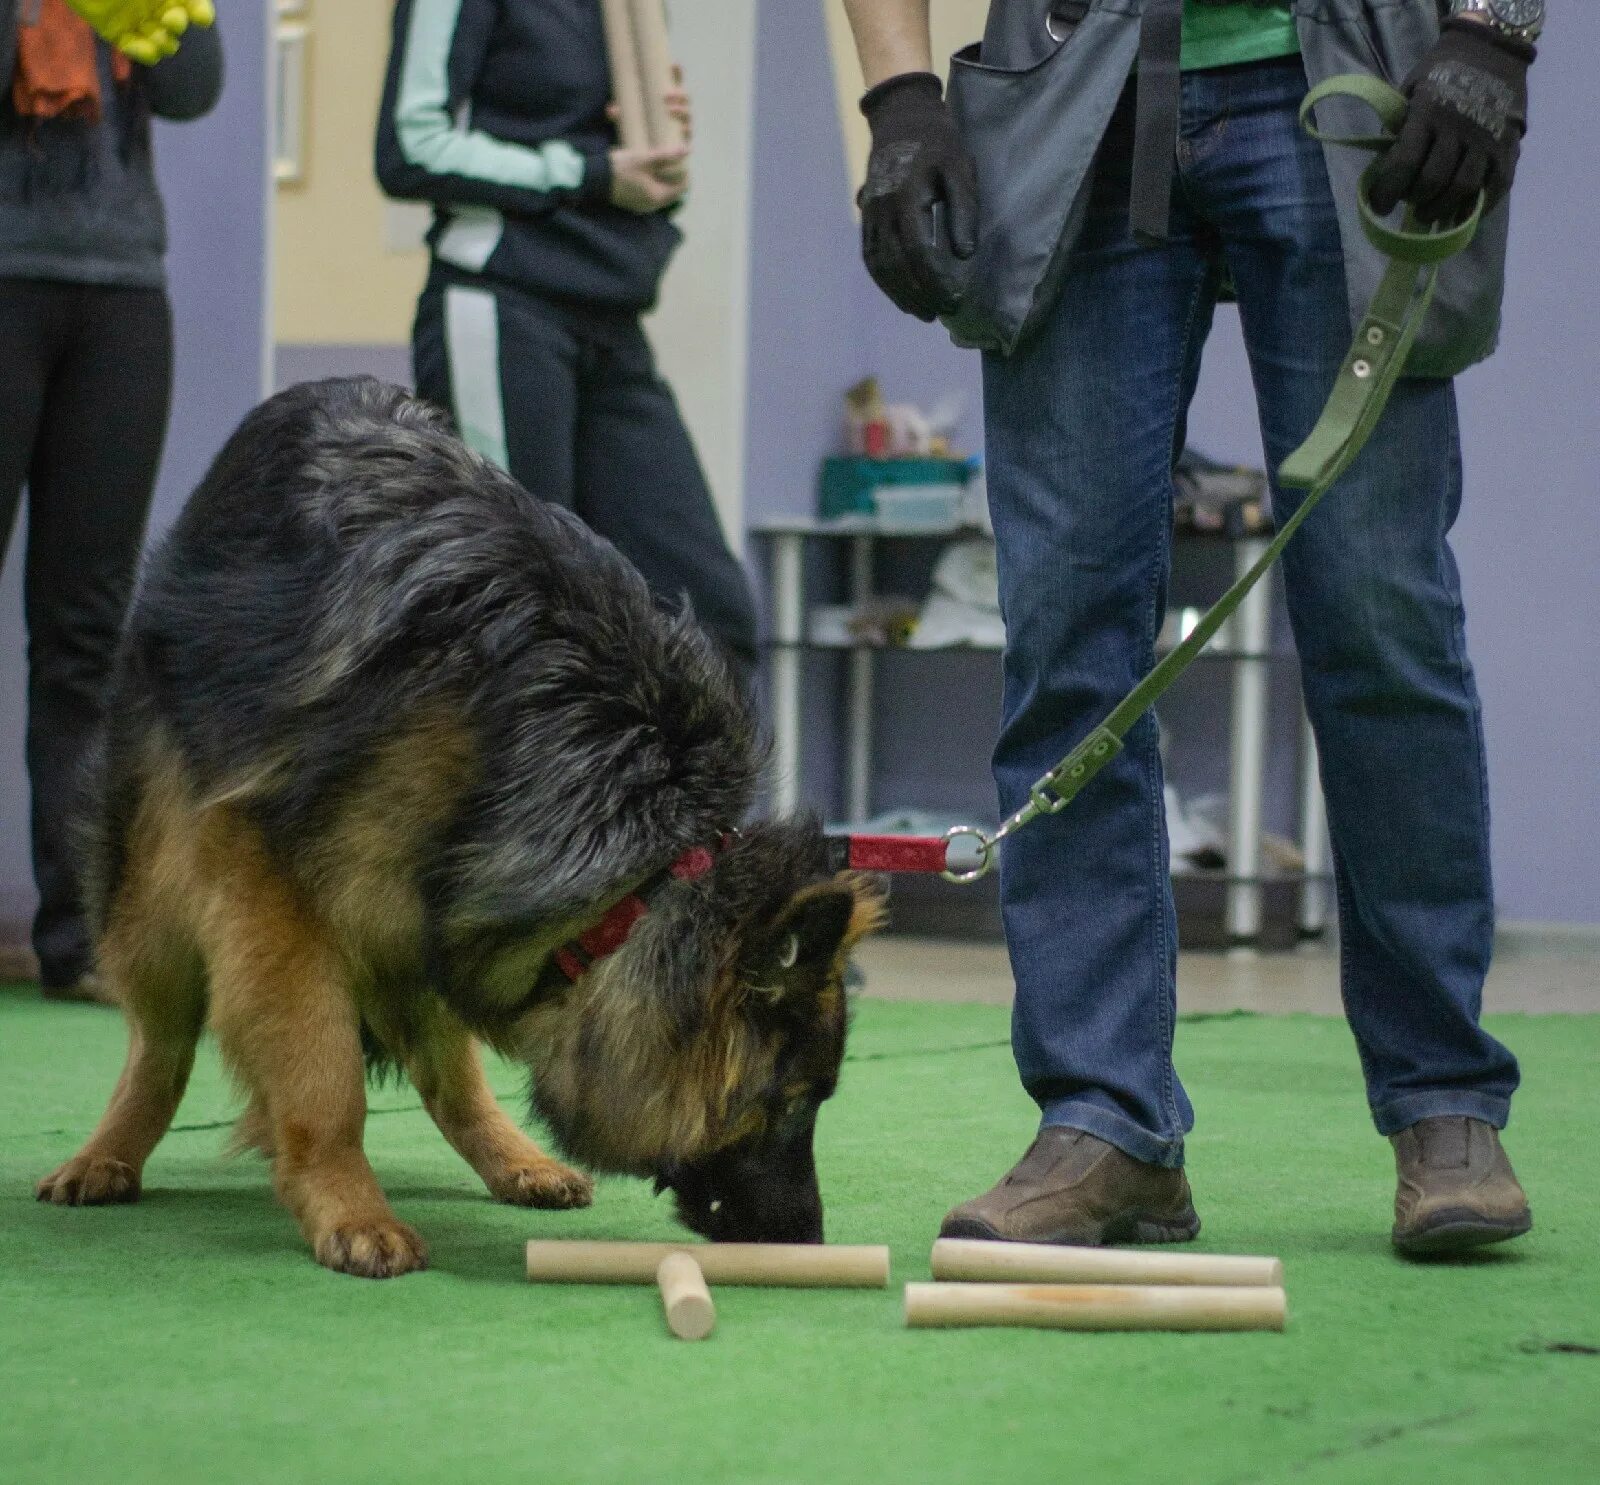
(916, 491)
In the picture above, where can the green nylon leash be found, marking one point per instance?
(1375, 361)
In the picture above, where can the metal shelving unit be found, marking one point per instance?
(1245, 646)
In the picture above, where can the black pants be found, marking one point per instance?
(570, 403)
(85, 384)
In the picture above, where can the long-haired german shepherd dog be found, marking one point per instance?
(387, 737)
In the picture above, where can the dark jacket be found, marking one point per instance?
(495, 111)
(79, 202)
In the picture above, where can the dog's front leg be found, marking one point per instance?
(285, 1019)
(447, 1071)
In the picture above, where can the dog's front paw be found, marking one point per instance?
(543, 1183)
(89, 1181)
(382, 1248)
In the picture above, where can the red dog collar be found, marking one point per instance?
(575, 957)
(887, 853)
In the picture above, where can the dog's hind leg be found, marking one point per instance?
(158, 980)
(285, 1019)
(446, 1070)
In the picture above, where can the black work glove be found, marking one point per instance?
(919, 206)
(1463, 129)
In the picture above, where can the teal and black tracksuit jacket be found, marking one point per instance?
(494, 111)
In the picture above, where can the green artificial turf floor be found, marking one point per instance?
(190, 1338)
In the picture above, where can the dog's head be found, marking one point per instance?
(701, 1051)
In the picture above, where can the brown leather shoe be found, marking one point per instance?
(1074, 1188)
(1456, 1189)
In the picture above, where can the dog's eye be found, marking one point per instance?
(790, 952)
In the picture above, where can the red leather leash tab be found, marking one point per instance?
(896, 853)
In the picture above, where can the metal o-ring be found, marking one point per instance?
(985, 845)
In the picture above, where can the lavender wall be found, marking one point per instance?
(309, 363)
(213, 175)
(1530, 538)
(1528, 542)
(805, 342)
(817, 322)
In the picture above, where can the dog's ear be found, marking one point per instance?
(793, 961)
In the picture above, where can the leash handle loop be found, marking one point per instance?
(1384, 338)
(1408, 243)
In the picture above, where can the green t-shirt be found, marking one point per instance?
(1222, 35)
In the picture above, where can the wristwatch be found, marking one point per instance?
(1522, 20)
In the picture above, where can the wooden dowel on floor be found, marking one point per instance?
(1049, 1263)
(796, 1265)
(685, 1300)
(1096, 1306)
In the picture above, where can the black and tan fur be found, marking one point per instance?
(385, 732)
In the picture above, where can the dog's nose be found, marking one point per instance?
(792, 1216)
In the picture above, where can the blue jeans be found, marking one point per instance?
(1082, 426)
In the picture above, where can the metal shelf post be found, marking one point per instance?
(858, 758)
(1247, 766)
(788, 617)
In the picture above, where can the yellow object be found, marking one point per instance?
(146, 30)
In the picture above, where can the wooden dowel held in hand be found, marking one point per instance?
(685, 1300)
(1048, 1263)
(627, 82)
(655, 71)
(1096, 1306)
(797, 1265)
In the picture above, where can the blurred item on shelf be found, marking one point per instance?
(875, 429)
(884, 619)
(1229, 499)
(1193, 836)
(905, 493)
(963, 604)
(975, 500)
(962, 609)
(1197, 836)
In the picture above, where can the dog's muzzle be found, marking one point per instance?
(750, 1193)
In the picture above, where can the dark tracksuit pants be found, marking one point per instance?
(569, 401)
(85, 385)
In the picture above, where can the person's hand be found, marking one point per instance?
(146, 30)
(919, 206)
(649, 180)
(1464, 126)
(677, 102)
